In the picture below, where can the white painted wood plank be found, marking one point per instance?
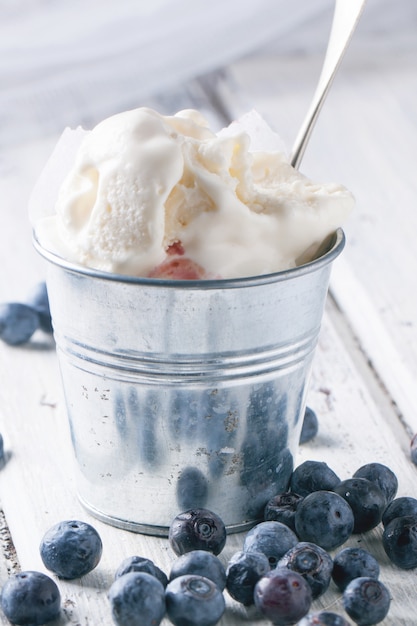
(376, 341)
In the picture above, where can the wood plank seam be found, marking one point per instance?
(375, 343)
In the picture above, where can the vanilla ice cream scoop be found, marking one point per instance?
(164, 196)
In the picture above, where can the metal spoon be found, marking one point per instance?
(345, 18)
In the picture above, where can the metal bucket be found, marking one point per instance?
(185, 394)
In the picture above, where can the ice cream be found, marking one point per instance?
(165, 196)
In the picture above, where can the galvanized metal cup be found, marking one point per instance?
(185, 394)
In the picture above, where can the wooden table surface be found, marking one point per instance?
(364, 379)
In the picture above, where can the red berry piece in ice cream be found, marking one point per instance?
(178, 268)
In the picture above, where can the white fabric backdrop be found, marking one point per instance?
(60, 58)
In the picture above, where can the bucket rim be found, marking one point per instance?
(335, 244)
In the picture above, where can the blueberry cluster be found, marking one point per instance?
(302, 573)
(323, 511)
(284, 564)
(277, 571)
(20, 320)
(192, 595)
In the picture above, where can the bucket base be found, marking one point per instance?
(150, 529)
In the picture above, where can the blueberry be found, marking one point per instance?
(382, 475)
(399, 507)
(137, 599)
(194, 601)
(39, 301)
(243, 572)
(273, 539)
(30, 598)
(324, 518)
(71, 549)
(310, 426)
(192, 489)
(352, 563)
(197, 529)
(323, 618)
(18, 322)
(141, 564)
(202, 563)
(282, 508)
(282, 596)
(313, 476)
(366, 500)
(366, 601)
(400, 541)
(313, 563)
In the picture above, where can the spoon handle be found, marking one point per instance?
(345, 18)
